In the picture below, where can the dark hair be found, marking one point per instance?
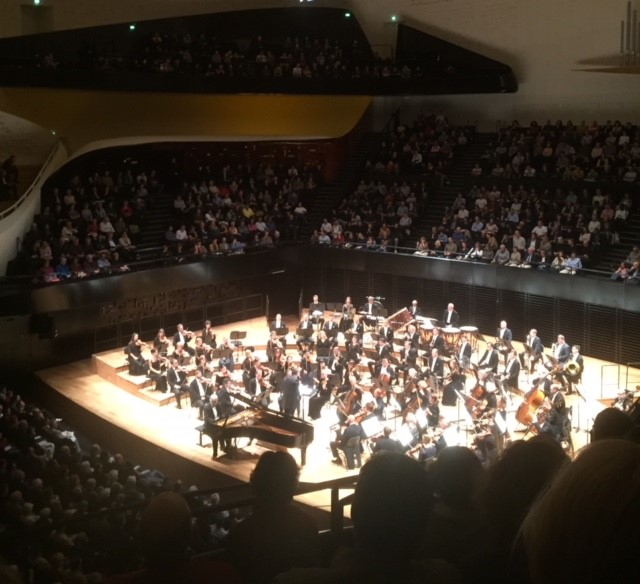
(275, 477)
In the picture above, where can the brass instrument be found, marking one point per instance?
(572, 369)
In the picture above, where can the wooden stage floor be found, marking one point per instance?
(174, 430)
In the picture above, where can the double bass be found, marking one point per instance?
(527, 410)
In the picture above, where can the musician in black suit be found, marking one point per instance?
(382, 351)
(414, 309)
(437, 341)
(562, 351)
(504, 336)
(278, 323)
(371, 307)
(511, 372)
(354, 349)
(177, 381)
(412, 336)
(208, 336)
(331, 327)
(571, 378)
(386, 331)
(184, 337)
(305, 333)
(316, 311)
(225, 403)
(533, 349)
(450, 316)
(464, 352)
(197, 393)
(336, 363)
(291, 392)
(490, 359)
(436, 364)
(408, 358)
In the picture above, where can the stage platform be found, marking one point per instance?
(102, 386)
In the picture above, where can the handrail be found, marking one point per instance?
(24, 197)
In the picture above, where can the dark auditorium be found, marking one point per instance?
(299, 291)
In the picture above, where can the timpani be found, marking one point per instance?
(472, 333)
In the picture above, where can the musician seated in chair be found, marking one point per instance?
(533, 350)
(371, 309)
(354, 349)
(331, 327)
(490, 360)
(382, 350)
(384, 374)
(511, 373)
(197, 393)
(349, 442)
(504, 336)
(316, 311)
(408, 359)
(412, 336)
(436, 365)
(386, 331)
(184, 337)
(305, 333)
(437, 341)
(137, 363)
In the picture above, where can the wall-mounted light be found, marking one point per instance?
(394, 18)
(36, 2)
(347, 14)
(132, 26)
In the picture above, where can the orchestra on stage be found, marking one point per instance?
(379, 380)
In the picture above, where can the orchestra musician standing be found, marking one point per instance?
(336, 364)
(464, 352)
(451, 318)
(533, 350)
(371, 309)
(437, 341)
(348, 312)
(346, 441)
(291, 392)
(208, 335)
(414, 309)
(436, 366)
(504, 336)
(511, 373)
(561, 350)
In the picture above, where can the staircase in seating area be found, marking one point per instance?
(329, 196)
(441, 198)
(151, 238)
(629, 236)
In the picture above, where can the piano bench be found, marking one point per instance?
(200, 431)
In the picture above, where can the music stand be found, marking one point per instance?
(236, 337)
(334, 307)
(323, 353)
(282, 331)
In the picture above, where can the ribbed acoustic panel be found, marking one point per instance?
(483, 311)
(602, 332)
(570, 322)
(334, 286)
(215, 313)
(234, 309)
(460, 295)
(194, 318)
(127, 328)
(434, 298)
(539, 313)
(253, 306)
(628, 343)
(358, 287)
(149, 326)
(106, 338)
(406, 290)
(510, 307)
(382, 286)
(312, 284)
(171, 320)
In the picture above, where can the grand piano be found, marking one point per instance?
(259, 423)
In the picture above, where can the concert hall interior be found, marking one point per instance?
(395, 240)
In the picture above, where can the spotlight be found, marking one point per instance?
(36, 2)
(347, 14)
(394, 18)
(132, 27)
